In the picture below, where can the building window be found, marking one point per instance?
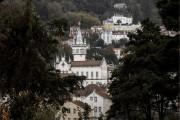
(77, 73)
(97, 75)
(81, 50)
(100, 109)
(77, 51)
(82, 73)
(74, 51)
(92, 75)
(74, 111)
(91, 98)
(87, 75)
(68, 110)
(95, 109)
(95, 99)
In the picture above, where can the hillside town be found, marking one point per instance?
(97, 72)
(110, 71)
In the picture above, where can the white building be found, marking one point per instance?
(120, 5)
(117, 28)
(72, 110)
(108, 36)
(97, 98)
(95, 71)
(63, 66)
(79, 47)
(120, 19)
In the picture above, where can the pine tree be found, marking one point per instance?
(27, 72)
(147, 80)
(169, 11)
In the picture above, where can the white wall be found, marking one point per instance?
(102, 102)
(104, 70)
(94, 104)
(100, 79)
(106, 105)
(82, 71)
(79, 52)
(108, 37)
(124, 20)
(94, 75)
(98, 82)
(79, 57)
(63, 66)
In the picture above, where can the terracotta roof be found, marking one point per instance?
(103, 94)
(79, 103)
(89, 89)
(89, 63)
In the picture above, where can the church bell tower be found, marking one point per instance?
(79, 46)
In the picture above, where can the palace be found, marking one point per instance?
(117, 28)
(96, 72)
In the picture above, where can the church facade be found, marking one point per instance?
(96, 72)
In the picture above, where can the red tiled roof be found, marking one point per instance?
(90, 88)
(79, 103)
(103, 94)
(89, 63)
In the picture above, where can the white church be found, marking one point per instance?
(96, 72)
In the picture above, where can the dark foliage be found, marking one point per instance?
(27, 51)
(169, 11)
(100, 53)
(139, 9)
(148, 79)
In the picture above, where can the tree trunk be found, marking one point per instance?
(148, 109)
(161, 109)
(148, 114)
(128, 113)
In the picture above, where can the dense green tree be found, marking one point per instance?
(85, 114)
(148, 78)
(100, 53)
(102, 9)
(99, 43)
(59, 27)
(119, 43)
(87, 110)
(87, 20)
(169, 11)
(92, 38)
(27, 52)
(44, 114)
